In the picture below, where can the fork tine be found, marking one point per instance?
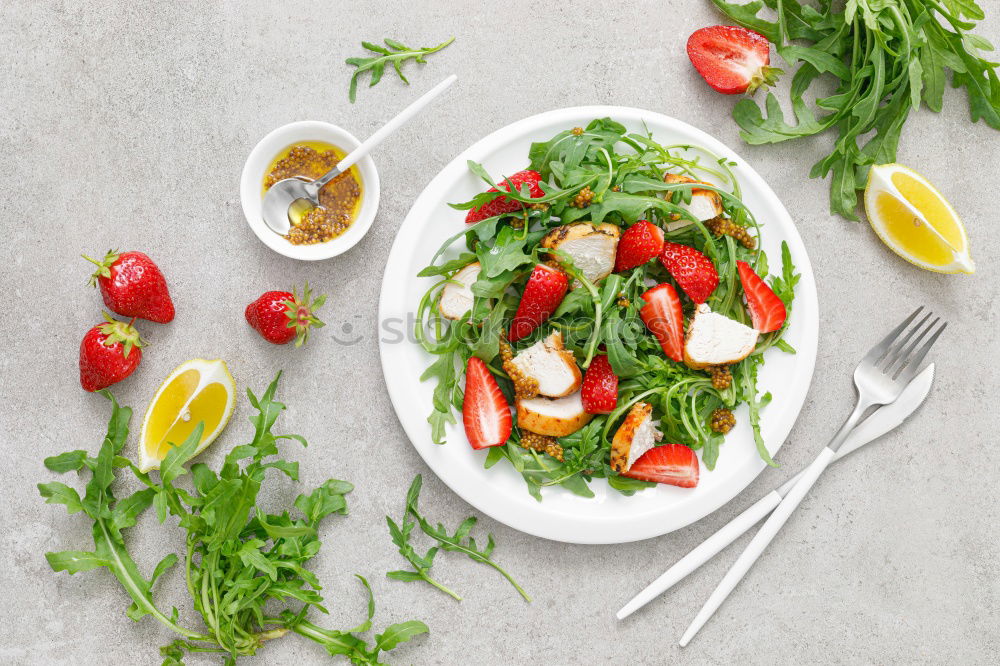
(878, 351)
(901, 349)
(912, 363)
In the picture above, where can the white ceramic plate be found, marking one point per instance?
(500, 492)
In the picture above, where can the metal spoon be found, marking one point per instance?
(298, 194)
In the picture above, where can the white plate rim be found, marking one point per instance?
(574, 528)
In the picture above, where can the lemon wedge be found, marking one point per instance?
(197, 391)
(915, 221)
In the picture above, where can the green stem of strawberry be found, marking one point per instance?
(118, 331)
(103, 266)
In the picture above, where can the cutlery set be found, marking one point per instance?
(890, 387)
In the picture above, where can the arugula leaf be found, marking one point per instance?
(398, 633)
(75, 561)
(461, 540)
(60, 493)
(393, 53)
(401, 537)
(347, 643)
(71, 461)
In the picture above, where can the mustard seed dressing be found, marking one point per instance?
(340, 199)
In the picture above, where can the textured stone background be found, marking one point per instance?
(126, 125)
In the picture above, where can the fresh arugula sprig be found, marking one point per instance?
(393, 53)
(238, 559)
(459, 541)
(885, 57)
(401, 537)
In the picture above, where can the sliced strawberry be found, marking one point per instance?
(674, 464)
(664, 318)
(542, 295)
(599, 392)
(502, 205)
(732, 59)
(485, 411)
(767, 312)
(693, 271)
(640, 243)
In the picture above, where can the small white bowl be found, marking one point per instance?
(252, 181)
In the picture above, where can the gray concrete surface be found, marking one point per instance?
(126, 125)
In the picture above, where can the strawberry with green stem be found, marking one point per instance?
(281, 316)
(109, 353)
(132, 285)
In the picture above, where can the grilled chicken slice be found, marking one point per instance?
(592, 248)
(550, 364)
(457, 299)
(634, 437)
(705, 204)
(714, 339)
(556, 417)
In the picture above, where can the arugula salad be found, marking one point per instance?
(610, 309)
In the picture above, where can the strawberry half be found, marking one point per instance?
(732, 59)
(542, 295)
(502, 205)
(640, 243)
(767, 312)
(664, 318)
(673, 464)
(599, 391)
(485, 411)
(694, 272)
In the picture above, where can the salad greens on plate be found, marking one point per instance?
(602, 175)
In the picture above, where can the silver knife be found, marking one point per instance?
(879, 423)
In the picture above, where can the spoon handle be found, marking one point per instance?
(413, 109)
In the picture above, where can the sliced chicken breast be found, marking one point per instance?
(592, 248)
(705, 204)
(636, 435)
(714, 339)
(556, 417)
(550, 364)
(456, 297)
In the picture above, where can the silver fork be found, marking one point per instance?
(880, 378)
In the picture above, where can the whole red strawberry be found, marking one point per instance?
(693, 271)
(281, 316)
(599, 392)
(109, 353)
(502, 205)
(133, 286)
(640, 243)
(542, 295)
